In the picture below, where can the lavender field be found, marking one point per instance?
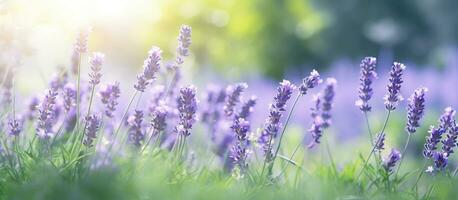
(176, 127)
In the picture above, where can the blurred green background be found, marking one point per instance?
(237, 36)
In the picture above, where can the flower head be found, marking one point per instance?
(310, 82)
(109, 96)
(184, 41)
(435, 136)
(390, 162)
(96, 62)
(328, 98)
(69, 96)
(151, 67)
(92, 126)
(187, 107)
(159, 119)
(365, 90)
(247, 108)
(233, 94)
(284, 92)
(46, 114)
(15, 127)
(81, 41)
(136, 135)
(379, 142)
(447, 118)
(416, 109)
(393, 97)
(440, 160)
(450, 140)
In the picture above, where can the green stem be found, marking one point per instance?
(422, 170)
(403, 153)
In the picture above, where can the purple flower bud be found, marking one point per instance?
(328, 98)
(151, 67)
(368, 75)
(136, 135)
(46, 115)
(273, 125)
(316, 131)
(390, 162)
(393, 97)
(90, 130)
(158, 119)
(447, 118)
(15, 127)
(432, 140)
(81, 41)
(69, 97)
(247, 108)
(451, 139)
(109, 96)
(415, 109)
(96, 62)
(310, 82)
(233, 94)
(184, 40)
(187, 107)
(440, 160)
(379, 142)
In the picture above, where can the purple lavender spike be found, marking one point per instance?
(390, 162)
(239, 152)
(136, 134)
(328, 98)
(273, 125)
(310, 82)
(447, 118)
(81, 41)
(159, 119)
(15, 127)
(110, 94)
(416, 109)
(233, 95)
(432, 140)
(393, 97)
(69, 96)
(368, 75)
(187, 107)
(151, 67)
(440, 160)
(96, 62)
(247, 108)
(46, 115)
(450, 141)
(90, 130)
(184, 40)
(379, 142)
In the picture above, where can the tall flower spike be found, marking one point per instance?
(109, 96)
(440, 160)
(247, 108)
(136, 135)
(435, 136)
(81, 41)
(151, 67)
(233, 94)
(69, 96)
(187, 107)
(390, 162)
(450, 141)
(90, 130)
(415, 109)
(159, 119)
(447, 118)
(46, 115)
(365, 90)
(310, 82)
(96, 62)
(184, 41)
(239, 151)
(393, 97)
(379, 142)
(15, 127)
(328, 98)
(273, 125)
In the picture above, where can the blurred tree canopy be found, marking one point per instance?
(272, 36)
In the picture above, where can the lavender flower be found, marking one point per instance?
(379, 142)
(91, 128)
(158, 120)
(239, 151)
(450, 141)
(184, 40)
(15, 127)
(151, 67)
(247, 108)
(187, 107)
(81, 41)
(447, 118)
(75, 61)
(328, 97)
(212, 114)
(233, 93)
(393, 97)
(316, 131)
(69, 97)
(432, 140)
(390, 162)
(109, 96)
(310, 82)
(136, 135)
(273, 125)
(96, 62)
(416, 109)
(440, 160)
(368, 75)
(46, 115)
